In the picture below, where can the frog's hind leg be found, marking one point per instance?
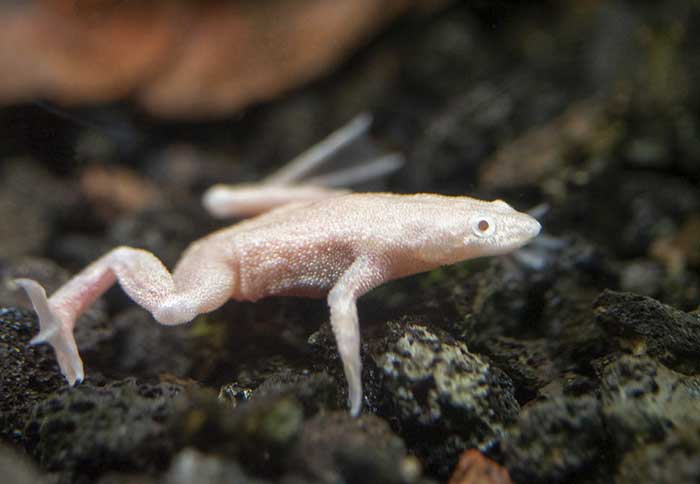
(347, 147)
(363, 172)
(143, 277)
(364, 159)
(297, 168)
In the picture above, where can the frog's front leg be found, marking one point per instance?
(200, 284)
(365, 273)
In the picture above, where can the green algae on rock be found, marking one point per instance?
(437, 389)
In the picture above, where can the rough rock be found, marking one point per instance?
(269, 439)
(436, 389)
(556, 440)
(644, 325)
(643, 401)
(575, 274)
(90, 429)
(141, 346)
(502, 304)
(27, 373)
(336, 448)
(527, 362)
(257, 434)
(674, 460)
(315, 391)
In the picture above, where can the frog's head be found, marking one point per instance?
(472, 228)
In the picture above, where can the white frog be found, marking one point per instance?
(321, 242)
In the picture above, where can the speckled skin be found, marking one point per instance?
(339, 247)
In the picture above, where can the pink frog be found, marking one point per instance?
(320, 242)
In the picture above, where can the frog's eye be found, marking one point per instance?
(483, 226)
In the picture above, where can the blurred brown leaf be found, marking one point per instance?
(179, 58)
(474, 468)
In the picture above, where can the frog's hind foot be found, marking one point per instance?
(53, 330)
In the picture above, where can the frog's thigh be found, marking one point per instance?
(203, 284)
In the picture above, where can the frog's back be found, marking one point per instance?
(355, 208)
(361, 220)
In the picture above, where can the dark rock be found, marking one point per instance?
(336, 448)
(675, 460)
(556, 440)
(536, 324)
(643, 401)
(645, 325)
(527, 362)
(502, 304)
(564, 314)
(443, 398)
(88, 430)
(140, 346)
(27, 373)
(327, 359)
(315, 391)
(267, 436)
(553, 301)
(478, 299)
(258, 434)
(246, 342)
(568, 384)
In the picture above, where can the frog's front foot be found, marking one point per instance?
(56, 331)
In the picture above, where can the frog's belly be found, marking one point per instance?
(309, 272)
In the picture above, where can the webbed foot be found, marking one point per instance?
(56, 332)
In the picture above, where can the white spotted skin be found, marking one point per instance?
(303, 249)
(340, 247)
